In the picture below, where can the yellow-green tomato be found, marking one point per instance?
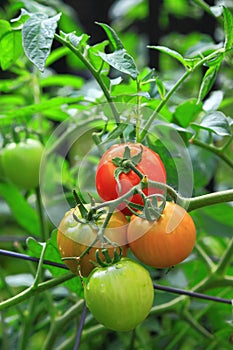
(21, 163)
(121, 295)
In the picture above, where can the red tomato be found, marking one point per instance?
(150, 165)
(74, 237)
(163, 243)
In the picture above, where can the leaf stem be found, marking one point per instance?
(43, 228)
(226, 259)
(27, 293)
(175, 87)
(95, 74)
(218, 151)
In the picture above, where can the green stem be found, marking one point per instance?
(209, 199)
(200, 330)
(218, 151)
(29, 292)
(59, 323)
(95, 74)
(175, 87)
(205, 257)
(27, 325)
(44, 233)
(225, 261)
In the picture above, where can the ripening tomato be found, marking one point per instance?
(74, 237)
(121, 295)
(21, 163)
(163, 243)
(150, 164)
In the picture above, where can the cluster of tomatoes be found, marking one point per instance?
(118, 290)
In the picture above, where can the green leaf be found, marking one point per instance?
(38, 33)
(213, 101)
(161, 88)
(62, 80)
(10, 48)
(113, 37)
(204, 166)
(57, 54)
(4, 27)
(93, 54)
(187, 111)
(52, 254)
(24, 214)
(35, 7)
(228, 28)
(121, 61)
(215, 122)
(170, 52)
(208, 81)
(40, 107)
(77, 41)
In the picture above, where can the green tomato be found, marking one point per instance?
(121, 295)
(21, 163)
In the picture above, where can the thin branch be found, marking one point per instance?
(80, 328)
(192, 294)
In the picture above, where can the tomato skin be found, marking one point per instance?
(163, 243)
(150, 165)
(21, 163)
(120, 296)
(73, 238)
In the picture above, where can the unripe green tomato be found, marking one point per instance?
(121, 295)
(21, 163)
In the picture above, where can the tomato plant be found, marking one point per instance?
(110, 184)
(74, 237)
(165, 242)
(121, 295)
(21, 163)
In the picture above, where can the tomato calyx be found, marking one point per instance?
(127, 164)
(108, 261)
(152, 209)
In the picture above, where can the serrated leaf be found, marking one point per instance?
(38, 33)
(228, 28)
(208, 81)
(10, 48)
(112, 36)
(35, 7)
(215, 122)
(52, 254)
(23, 213)
(121, 61)
(170, 52)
